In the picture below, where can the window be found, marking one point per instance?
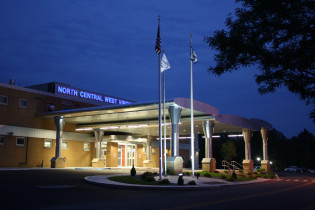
(23, 103)
(48, 144)
(64, 145)
(2, 140)
(86, 146)
(20, 141)
(3, 100)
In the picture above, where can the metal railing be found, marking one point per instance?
(231, 166)
(236, 165)
(227, 165)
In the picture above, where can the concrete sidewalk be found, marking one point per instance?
(203, 183)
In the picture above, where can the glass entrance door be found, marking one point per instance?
(119, 156)
(130, 155)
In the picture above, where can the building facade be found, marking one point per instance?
(27, 139)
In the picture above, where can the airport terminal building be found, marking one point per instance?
(56, 125)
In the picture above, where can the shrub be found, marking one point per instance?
(180, 180)
(216, 171)
(249, 173)
(150, 179)
(205, 173)
(223, 176)
(234, 176)
(192, 182)
(226, 171)
(230, 179)
(146, 174)
(241, 171)
(133, 171)
(165, 181)
(171, 172)
(255, 172)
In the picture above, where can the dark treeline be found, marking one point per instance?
(283, 152)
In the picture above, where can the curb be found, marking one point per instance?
(108, 183)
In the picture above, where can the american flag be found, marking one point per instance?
(158, 41)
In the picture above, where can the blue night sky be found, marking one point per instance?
(108, 47)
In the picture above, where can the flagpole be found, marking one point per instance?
(160, 127)
(165, 169)
(192, 114)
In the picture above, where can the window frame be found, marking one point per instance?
(2, 103)
(87, 148)
(47, 140)
(16, 141)
(22, 106)
(64, 143)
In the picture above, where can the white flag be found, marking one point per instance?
(193, 55)
(164, 63)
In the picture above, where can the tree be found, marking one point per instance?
(278, 38)
(228, 151)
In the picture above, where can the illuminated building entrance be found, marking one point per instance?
(126, 154)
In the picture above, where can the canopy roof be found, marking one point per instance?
(142, 118)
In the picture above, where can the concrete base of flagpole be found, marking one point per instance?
(175, 164)
(208, 164)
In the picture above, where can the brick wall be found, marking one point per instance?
(112, 154)
(139, 156)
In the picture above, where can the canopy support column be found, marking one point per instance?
(208, 163)
(98, 162)
(248, 163)
(58, 161)
(265, 163)
(175, 162)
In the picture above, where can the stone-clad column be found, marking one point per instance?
(208, 163)
(248, 163)
(58, 161)
(265, 163)
(98, 162)
(175, 162)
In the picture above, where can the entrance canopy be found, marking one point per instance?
(142, 118)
